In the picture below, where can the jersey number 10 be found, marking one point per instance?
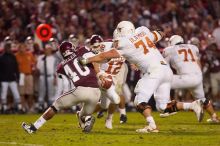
(187, 53)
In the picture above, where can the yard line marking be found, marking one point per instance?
(22, 144)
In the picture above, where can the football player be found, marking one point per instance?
(184, 58)
(83, 79)
(137, 46)
(115, 68)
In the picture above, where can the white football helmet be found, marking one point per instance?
(125, 28)
(175, 39)
(195, 41)
(115, 34)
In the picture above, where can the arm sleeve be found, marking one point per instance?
(119, 45)
(157, 36)
(89, 54)
(166, 55)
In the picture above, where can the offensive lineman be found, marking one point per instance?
(137, 46)
(184, 58)
(84, 79)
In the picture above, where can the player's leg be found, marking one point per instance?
(144, 90)
(198, 93)
(91, 97)
(185, 81)
(30, 92)
(4, 91)
(65, 100)
(42, 92)
(17, 101)
(120, 81)
(122, 110)
(51, 89)
(109, 117)
(112, 95)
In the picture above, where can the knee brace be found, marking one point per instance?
(142, 106)
(171, 107)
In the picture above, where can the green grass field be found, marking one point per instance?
(178, 130)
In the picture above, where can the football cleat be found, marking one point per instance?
(197, 107)
(108, 123)
(213, 120)
(89, 122)
(123, 119)
(167, 114)
(147, 129)
(170, 110)
(29, 128)
(81, 122)
(100, 114)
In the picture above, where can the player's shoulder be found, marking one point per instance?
(191, 46)
(59, 67)
(121, 42)
(82, 50)
(142, 28)
(107, 45)
(169, 49)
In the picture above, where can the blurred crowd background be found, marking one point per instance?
(23, 55)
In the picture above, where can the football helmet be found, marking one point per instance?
(115, 34)
(95, 43)
(29, 40)
(74, 40)
(175, 39)
(125, 28)
(195, 41)
(7, 39)
(66, 49)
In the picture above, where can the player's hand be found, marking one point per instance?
(134, 67)
(83, 61)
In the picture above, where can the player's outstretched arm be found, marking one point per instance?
(158, 35)
(100, 57)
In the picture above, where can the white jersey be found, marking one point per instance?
(183, 58)
(114, 65)
(139, 48)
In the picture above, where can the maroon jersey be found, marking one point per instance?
(79, 75)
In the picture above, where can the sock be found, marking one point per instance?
(151, 122)
(40, 122)
(214, 115)
(122, 111)
(109, 116)
(187, 106)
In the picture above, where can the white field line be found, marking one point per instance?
(22, 144)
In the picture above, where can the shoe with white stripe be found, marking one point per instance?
(147, 129)
(29, 128)
(197, 107)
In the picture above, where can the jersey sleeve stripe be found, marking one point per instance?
(155, 36)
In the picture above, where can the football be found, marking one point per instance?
(106, 82)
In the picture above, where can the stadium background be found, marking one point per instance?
(83, 18)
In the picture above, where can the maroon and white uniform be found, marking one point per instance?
(85, 86)
(79, 75)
